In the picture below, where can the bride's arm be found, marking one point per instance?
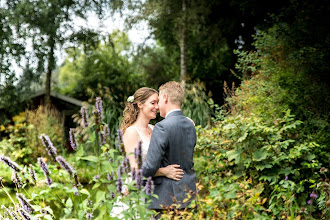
(171, 171)
(131, 139)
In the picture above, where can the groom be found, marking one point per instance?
(172, 142)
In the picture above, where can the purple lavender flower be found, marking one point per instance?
(32, 173)
(119, 183)
(309, 202)
(138, 154)
(313, 195)
(45, 170)
(125, 164)
(110, 176)
(97, 177)
(64, 164)
(98, 112)
(14, 166)
(286, 178)
(75, 177)
(73, 139)
(139, 178)
(11, 212)
(76, 191)
(120, 142)
(98, 107)
(49, 146)
(149, 188)
(89, 216)
(103, 136)
(24, 214)
(111, 160)
(24, 203)
(112, 195)
(16, 179)
(133, 174)
(84, 116)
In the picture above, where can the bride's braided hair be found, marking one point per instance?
(132, 110)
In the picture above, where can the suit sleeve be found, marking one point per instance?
(156, 151)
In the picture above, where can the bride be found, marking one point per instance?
(139, 110)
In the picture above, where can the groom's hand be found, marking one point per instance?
(173, 172)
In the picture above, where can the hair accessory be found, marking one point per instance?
(130, 99)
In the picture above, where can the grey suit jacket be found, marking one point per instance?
(172, 142)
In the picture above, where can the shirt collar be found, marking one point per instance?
(174, 110)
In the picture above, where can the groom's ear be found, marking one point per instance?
(166, 98)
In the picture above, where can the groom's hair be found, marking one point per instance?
(174, 91)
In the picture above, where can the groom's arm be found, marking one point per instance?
(156, 151)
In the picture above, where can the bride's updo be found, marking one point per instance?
(132, 110)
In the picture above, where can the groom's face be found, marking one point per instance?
(161, 104)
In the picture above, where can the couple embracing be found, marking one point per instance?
(167, 147)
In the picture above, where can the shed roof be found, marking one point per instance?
(58, 96)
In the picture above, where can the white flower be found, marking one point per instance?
(130, 99)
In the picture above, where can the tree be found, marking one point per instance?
(200, 36)
(48, 24)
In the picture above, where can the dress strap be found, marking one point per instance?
(139, 133)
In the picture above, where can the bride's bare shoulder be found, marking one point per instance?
(130, 132)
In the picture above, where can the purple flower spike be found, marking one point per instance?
(76, 192)
(103, 136)
(32, 173)
(14, 166)
(24, 203)
(75, 177)
(149, 188)
(89, 216)
(120, 142)
(73, 139)
(44, 168)
(133, 174)
(49, 146)
(313, 195)
(112, 195)
(97, 177)
(139, 178)
(84, 116)
(98, 107)
(24, 214)
(64, 164)
(138, 154)
(13, 214)
(98, 112)
(119, 183)
(110, 176)
(286, 178)
(16, 179)
(309, 202)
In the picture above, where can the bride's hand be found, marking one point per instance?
(173, 172)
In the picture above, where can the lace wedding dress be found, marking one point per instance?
(120, 207)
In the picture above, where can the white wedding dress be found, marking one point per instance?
(120, 207)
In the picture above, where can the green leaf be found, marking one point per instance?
(259, 155)
(96, 185)
(229, 126)
(91, 158)
(68, 203)
(234, 155)
(100, 195)
(243, 137)
(85, 191)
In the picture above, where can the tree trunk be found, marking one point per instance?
(183, 49)
(51, 62)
